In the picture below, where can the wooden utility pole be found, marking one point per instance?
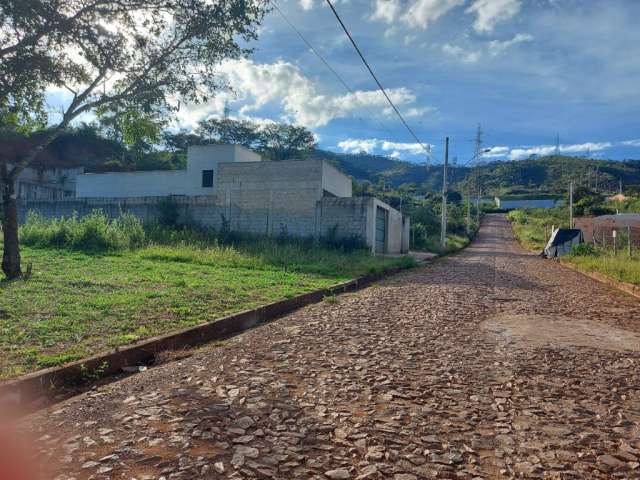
(443, 226)
(571, 204)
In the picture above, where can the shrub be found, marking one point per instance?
(168, 212)
(584, 250)
(93, 233)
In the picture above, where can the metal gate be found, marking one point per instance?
(381, 230)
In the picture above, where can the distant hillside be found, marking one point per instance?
(83, 146)
(546, 174)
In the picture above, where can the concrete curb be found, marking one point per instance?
(47, 382)
(623, 286)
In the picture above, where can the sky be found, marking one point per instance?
(526, 70)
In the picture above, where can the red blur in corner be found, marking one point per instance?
(16, 458)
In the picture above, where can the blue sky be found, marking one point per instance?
(525, 69)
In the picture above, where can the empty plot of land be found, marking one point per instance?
(449, 371)
(78, 304)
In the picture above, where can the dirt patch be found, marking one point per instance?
(544, 330)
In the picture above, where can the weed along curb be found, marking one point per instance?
(623, 286)
(48, 382)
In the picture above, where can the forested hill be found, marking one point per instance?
(86, 147)
(546, 174)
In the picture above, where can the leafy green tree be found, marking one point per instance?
(179, 142)
(227, 130)
(281, 141)
(125, 54)
(277, 141)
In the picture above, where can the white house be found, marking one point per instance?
(197, 179)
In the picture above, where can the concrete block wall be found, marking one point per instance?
(248, 212)
(347, 215)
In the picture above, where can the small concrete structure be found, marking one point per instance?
(514, 202)
(229, 186)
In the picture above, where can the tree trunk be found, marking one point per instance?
(11, 252)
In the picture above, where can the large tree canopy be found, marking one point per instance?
(276, 141)
(115, 55)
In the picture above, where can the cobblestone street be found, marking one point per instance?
(491, 363)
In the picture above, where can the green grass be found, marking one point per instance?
(78, 303)
(619, 267)
(530, 227)
(454, 243)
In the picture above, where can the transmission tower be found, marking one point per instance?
(478, 152)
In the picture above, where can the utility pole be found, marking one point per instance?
(478, 192)
(557, 152)
(571, 204)
(468, 210)
(443, 226)
(620, 186)
(478, 160)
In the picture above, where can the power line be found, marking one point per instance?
(427, 150)
(331, 69)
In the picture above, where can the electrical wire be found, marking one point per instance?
(332, 70)
(426, 149)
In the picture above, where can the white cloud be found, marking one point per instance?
(460, 53)
(542, 150)
(299, 98)
(423, 12)
(491, 12)
(497, 152)
(354, 145)
(306, 4)
(417, 13)
(522, 152)
(373, 145)
(412, 148)
(496, 47)
(631, 143)
(386, 10)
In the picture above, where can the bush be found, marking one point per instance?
(169, 213)
(93, 233)
(584, 250)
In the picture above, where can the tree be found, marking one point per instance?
(117, 55)
(280, 141)
(277, 141)
(226, 130)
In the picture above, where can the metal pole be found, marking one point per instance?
(443, 226)
(468, 212)
(571, 205)
(629, 240)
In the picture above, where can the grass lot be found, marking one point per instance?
(454, 243)
(80, 303)
(529, 228)
(620, 267)
(532, 226)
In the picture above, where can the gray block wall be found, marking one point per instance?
(246, 211)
